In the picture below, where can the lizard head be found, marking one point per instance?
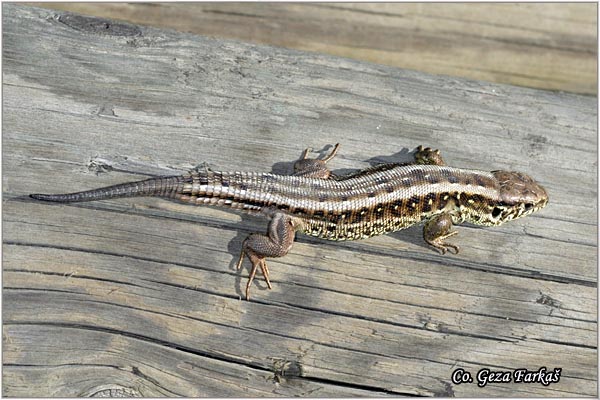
(519, 195)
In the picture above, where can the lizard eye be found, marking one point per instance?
(528, 206)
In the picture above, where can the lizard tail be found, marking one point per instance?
(159, 187)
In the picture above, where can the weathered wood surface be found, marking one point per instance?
(141, 295)
(540, 45)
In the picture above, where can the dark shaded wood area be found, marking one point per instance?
(140, 296)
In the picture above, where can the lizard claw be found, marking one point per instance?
(428, 156)
(326, 158)
(332, 154)
(445, 247)
(306, 151)
(257, 261)
(442, 246)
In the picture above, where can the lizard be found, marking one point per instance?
(373, 201)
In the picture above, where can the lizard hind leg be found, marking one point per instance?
(276, 243)
(314, 167)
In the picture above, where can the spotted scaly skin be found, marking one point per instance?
(374, 201)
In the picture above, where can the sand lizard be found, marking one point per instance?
(373, 201)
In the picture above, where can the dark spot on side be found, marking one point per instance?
(299, 211)
(319, 213)
(336, 218)
(284, 207)
(452, 179)
(225, 183)
(389, 188)
(372, 194)
(360, 215)
(454, 197)
(344, 198)
(426, 206)
(331, 228)
(484, 201)
(203, 180)
(432, 179)
(463, 199)
(356, 218)
(441, 202)
(323, 198)
(379, 209)
(243, 186)
(407, 182)
(381, 180)
(397, 211)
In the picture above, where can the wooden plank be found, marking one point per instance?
(141, 295)
(546, 46)
(188, 374)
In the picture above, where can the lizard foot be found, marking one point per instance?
(436, 230)
(428, 156)
(257, 261)
(442, 246)
(314, 167)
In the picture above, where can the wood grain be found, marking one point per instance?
(140, 296)
(541, 45)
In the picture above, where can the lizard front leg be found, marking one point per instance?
(428, 156)
(276, 243)
(437, 229)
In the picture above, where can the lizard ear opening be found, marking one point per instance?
(496, 212)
